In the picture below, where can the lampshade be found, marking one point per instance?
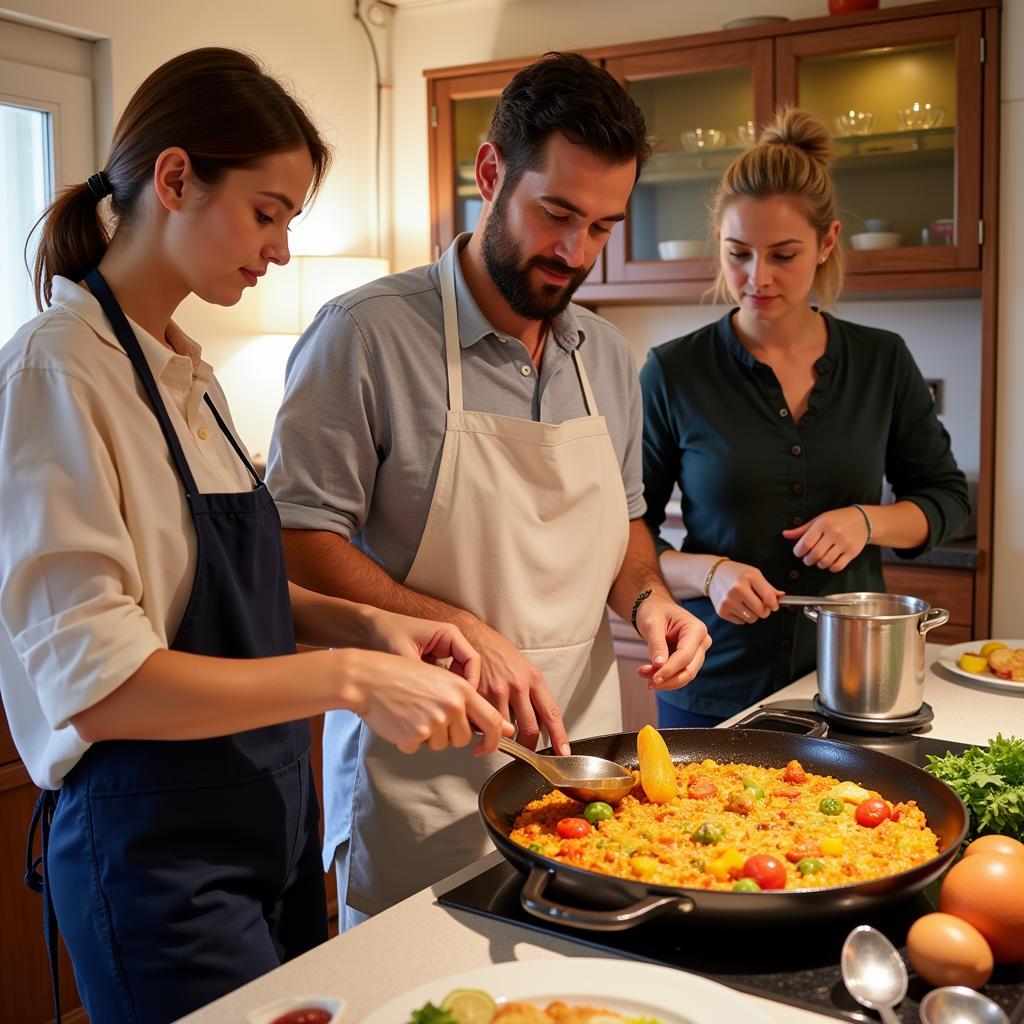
(290, 296)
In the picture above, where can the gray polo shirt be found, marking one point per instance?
(357, 442)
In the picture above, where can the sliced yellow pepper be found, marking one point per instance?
(833, 847)
(657, 773)
(729, 863)
(850, 792)
(643, 867)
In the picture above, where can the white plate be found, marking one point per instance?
(629, 988)
(949, 656)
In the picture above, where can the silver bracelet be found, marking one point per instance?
(867, 520)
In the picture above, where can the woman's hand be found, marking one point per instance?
(741, 594)
(409, 703)
(832, 540)
(424, 640)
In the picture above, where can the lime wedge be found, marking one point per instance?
(470, 1006)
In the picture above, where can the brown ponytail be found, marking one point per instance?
(218, 105)
(792, 157)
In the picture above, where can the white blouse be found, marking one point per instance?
(97, 546)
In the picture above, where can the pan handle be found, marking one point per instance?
(816, 727)
(536, 903)
(811, 612)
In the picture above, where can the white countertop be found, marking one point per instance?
(419, 940)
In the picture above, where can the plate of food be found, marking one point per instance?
(997, 663)
(578, 990)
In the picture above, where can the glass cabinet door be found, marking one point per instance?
(902, 102)
(701, 108)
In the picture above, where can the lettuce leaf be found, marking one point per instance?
(990, 782)
(431, 1014)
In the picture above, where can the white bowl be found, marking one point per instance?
(876, 240)
(270, 1012)
(681, 249)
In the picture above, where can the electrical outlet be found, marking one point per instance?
(938, 389)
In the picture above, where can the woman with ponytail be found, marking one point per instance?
(148, 661)
(778, 423)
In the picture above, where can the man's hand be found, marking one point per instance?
(424, 640)
(677, 641)
(511, 683)
(832, 540)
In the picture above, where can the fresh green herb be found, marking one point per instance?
(431, 1014)
(990, 782)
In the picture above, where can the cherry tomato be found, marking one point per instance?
(769, 872)
(871, 813)
(573, 828)
(794, 773)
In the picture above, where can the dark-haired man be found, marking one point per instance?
(459, 442)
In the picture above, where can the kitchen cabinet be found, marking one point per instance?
(924, 178)
(24, 965)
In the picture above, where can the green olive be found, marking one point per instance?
(746, 885)
(535, 848)
(809, 866)
(598, 811)
(754, 788)
(708, 834)
(830, 805)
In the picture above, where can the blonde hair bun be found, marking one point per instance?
(793, 127)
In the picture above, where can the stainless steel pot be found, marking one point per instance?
(871, 653)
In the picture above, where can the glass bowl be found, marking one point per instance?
(855, 122)
(920, 115)
(703, 138)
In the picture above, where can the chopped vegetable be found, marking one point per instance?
(830, 805)
(832, 847)
(849, 792)
(535, 848)
(990, 782)
(746, 885)
(657, 773)
(573, 828)
(809, 866)
(431, 1014)
(794, 773)
(728, 865)
(708, 833)
(598, 811)
(755, 790)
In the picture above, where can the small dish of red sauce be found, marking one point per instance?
(298, 1010)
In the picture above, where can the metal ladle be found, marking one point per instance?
(873, 971)
(954, 1004)
(582, 777)
(799, 600)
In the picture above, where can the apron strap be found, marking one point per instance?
(588, 394)
(451, 331)
(126, 336)
(36, 880)
(234, 444)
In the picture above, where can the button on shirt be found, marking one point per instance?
(716, 423)
(358, 439)
(97, 546)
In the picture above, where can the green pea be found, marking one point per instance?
(708, 834)
(535, 848)
(754, 788)
(746, 885)
(830, 805)
(809, 866)
(598, 811)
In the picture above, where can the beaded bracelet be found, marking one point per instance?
(867, 520)
(711, 572)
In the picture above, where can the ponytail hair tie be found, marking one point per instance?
(99, 185)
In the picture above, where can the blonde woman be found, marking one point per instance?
(778, 422)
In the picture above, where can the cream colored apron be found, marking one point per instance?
(527, 529)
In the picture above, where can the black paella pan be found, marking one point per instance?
(589, 900)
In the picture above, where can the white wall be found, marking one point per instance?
(1008, 559)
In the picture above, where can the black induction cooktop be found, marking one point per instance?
(798, 965)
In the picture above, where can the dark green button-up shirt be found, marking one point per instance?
(716, 422)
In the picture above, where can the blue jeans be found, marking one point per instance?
(671, 717)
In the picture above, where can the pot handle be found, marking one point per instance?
(817, 727)
(932, 618)
(811, 612)
(536, 903)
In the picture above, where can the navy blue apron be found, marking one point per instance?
(179, 870)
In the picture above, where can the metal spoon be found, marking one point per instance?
(581, 777)
(955, 1004)
(873, 971)
(798, 600)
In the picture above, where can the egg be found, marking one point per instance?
(987, 891)
(998, 846)
(947, 951)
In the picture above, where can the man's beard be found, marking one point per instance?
(503, 258)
